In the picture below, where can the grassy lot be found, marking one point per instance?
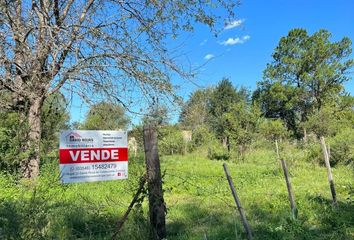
(198, 199)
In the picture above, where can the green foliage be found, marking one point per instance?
(55, 117)
(170, 140)
(13, 135)
(195, 111)
(198, 201)
(105, 116)
(230, 114)
(217, 152)
(49, 210)
(331, 119)
(341, 147)
(157, 114)
(138, 133)
(201, 136)
(240, 124)
(307, 72)
(322, 123)
(273, 130)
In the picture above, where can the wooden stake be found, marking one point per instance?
(238, 203)
(277, 148)
(290, 189)
(329, 171)
(288, 183)
(157, 208)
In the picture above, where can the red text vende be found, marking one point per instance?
(91, 155)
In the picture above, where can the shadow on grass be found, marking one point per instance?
(192, 221)
(319, 221)
(35, 219)
(38, 218)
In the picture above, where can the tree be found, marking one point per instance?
(332, 118)
(240, 124)
(157, 114)
(273, 130)
(105, 116)
(195, 112)
(115, 48)
(221, 102)
(14, 131)
(54, 117)
(307, 71)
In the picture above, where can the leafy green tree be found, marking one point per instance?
(273, 129)
(170, 140)
(240, 124)
(14, 132)
(332, 118)
(55, 117)
(307, 71)
(106, 116)
(195, 112)
(221, 102)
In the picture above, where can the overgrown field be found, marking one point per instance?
(198, 199)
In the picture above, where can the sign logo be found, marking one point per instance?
(74, 137)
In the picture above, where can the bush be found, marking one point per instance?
(273, 130)
(201, 136)
(341, 148)
(217, 152)
(170, 140)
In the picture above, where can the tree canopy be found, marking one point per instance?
(307, 71)
(110, 49)
(105, 116)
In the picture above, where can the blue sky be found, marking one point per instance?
(242, 52)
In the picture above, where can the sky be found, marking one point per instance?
(243, 48)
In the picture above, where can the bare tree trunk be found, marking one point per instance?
(30, 165)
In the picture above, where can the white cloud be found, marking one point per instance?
(203, 42)
(233, 24)
(233, 41)
(209, 56)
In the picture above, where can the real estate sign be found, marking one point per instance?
(88, 156)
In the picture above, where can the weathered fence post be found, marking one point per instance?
(329, 171)
(157, 208)
(238, 203)
(288, 183)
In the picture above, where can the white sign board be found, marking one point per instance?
(89, 156)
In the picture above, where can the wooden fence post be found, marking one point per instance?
(157, 208)
(238, 203)
(288, 183)
(329, 171)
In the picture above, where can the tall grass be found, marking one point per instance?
(198, 199)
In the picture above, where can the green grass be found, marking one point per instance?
(198, 200)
